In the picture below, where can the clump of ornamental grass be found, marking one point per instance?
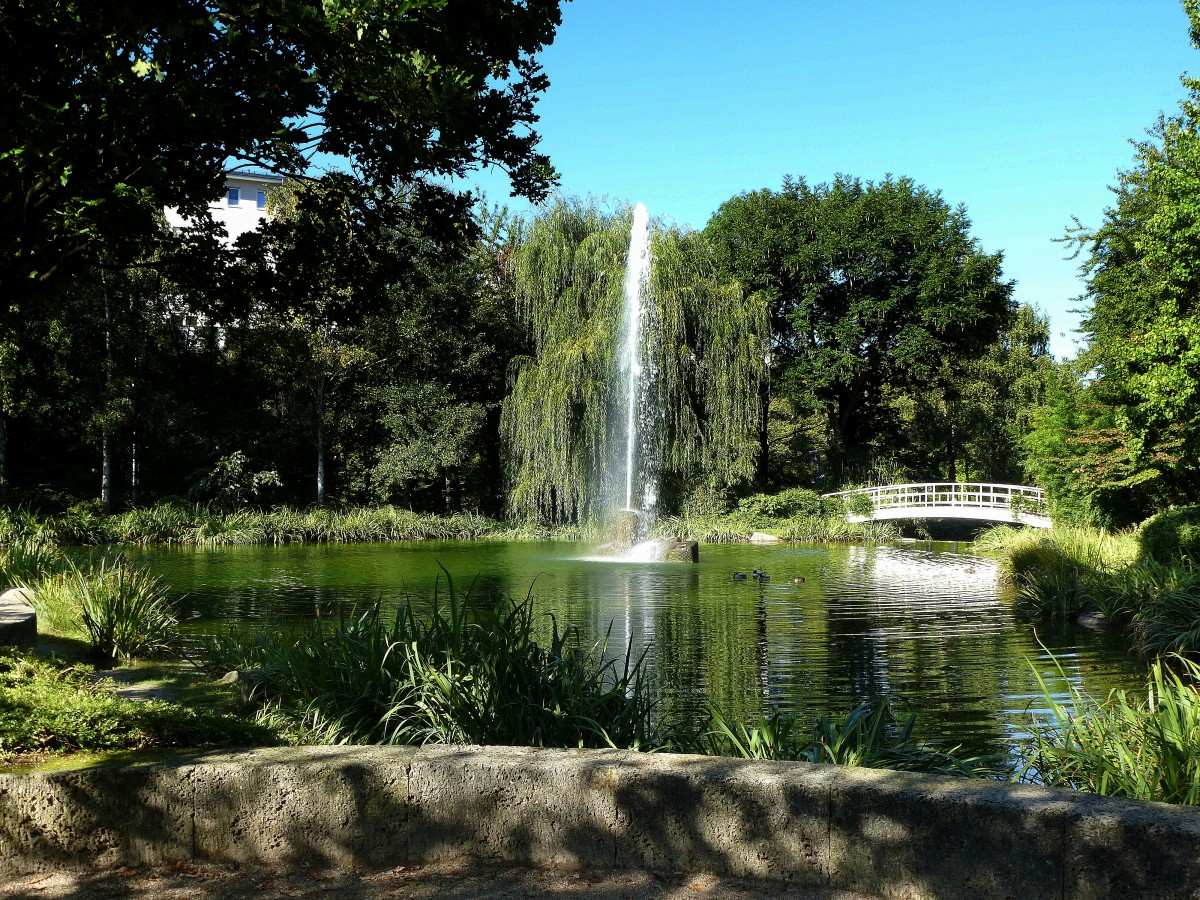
(48, 706)
(465, 672)
(23, 562)
(869, 736)
(1163, 604)
(122, 611)
(1143, 747)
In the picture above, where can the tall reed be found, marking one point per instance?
(869, 736)
(1141, 747)
(465, 672)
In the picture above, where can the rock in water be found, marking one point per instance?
(683, 551)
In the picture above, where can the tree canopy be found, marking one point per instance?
(705, 345)
(114, 109)
(1135, 433)
(872, 287)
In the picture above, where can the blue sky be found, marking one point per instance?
(1021, 111)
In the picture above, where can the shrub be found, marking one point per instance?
(1171, 535)
(787, 504)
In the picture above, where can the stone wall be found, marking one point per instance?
(894, 834)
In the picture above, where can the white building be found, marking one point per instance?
(242, 208)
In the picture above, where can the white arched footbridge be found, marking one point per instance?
(1012, 503)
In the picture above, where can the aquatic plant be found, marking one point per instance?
(1141, 747)
(464, 672)
(870, 736)
(1059, 572)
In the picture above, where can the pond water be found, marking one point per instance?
(925, 625)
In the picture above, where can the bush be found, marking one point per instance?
(1172, 535)
(788, 503)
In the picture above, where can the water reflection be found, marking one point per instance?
(925, 626)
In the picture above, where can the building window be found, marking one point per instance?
(233, 197)
(261, 202)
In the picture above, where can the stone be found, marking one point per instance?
(761, 537)
(910, 837)
(683, 551)
(18, 619)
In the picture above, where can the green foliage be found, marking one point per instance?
(870, 736)
(400, 89)
(49, 706)
(126, 612)
(468, 672)
(1144, 748)
(1172, 535)
(23, 562)
(871, 287)
(1161, 601)
(785, 504)
(1058, 571)
(705, 346)
(230, 483)
(1143, 273)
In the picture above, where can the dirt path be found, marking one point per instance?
(450, 881)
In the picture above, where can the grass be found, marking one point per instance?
(468, 672)
(189, 524)
(1063, 572)
(48, 706)
(1140, 747)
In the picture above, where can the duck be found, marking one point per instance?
(760, 577)
(799, 579)
(739, 576)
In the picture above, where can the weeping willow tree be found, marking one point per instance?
(704, 343)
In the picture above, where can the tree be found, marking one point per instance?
(974, 421)
(871, 286)
(705, 347)
(1143, 279)
(114, 110)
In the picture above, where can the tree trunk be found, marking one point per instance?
(764, 434)
(321, 444)
(133, 471)
(105, 473)
(106, 458)
(3, 459)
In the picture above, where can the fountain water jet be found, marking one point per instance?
(634, 375)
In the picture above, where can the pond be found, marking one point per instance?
(924, 625)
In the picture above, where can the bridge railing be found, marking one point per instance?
(1017, 498)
